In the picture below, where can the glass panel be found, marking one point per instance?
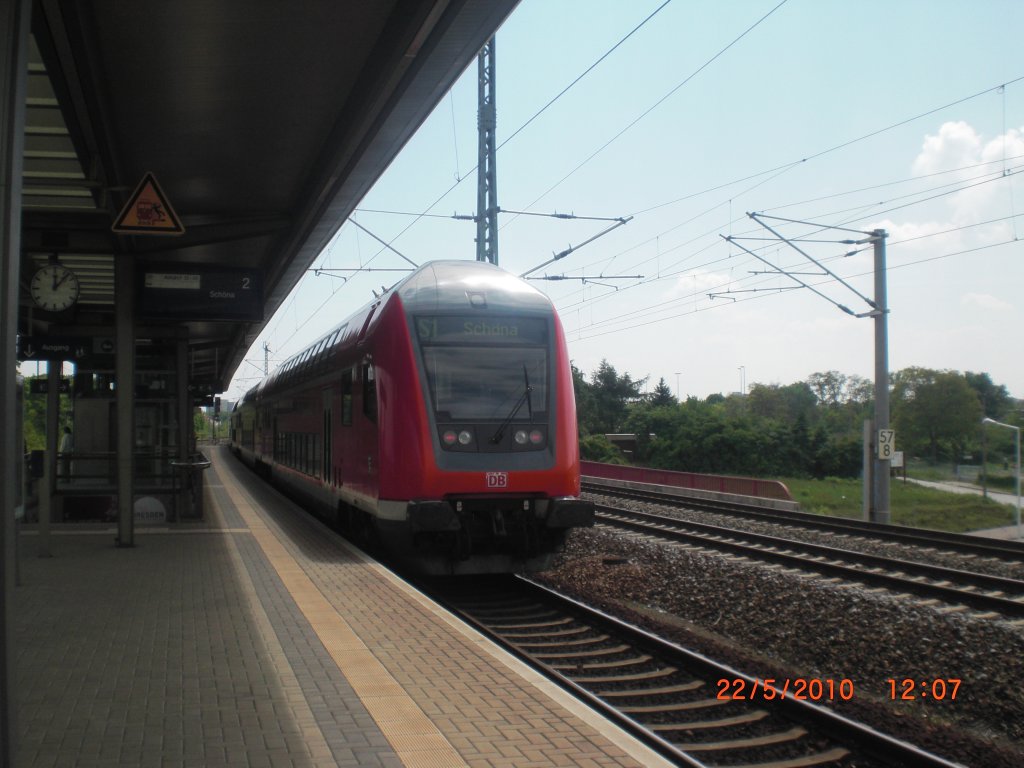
(483, 384)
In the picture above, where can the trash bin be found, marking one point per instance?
(191, 488)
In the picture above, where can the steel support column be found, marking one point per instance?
(487, 176)
(15, 16)
(184, 411)
(124, 292)
(880, 511)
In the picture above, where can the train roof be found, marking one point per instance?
(462, 285)
(436, 286)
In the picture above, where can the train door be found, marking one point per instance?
(328, 441)
(368, 457)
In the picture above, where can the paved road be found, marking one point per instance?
(1008, 532)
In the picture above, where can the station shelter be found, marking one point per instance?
(168, 174)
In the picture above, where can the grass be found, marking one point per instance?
(910, 504)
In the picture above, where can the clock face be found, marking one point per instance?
(54, 288)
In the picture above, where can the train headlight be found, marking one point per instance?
(449, 437)
(465, 437)
(536, 437)
(521, 437)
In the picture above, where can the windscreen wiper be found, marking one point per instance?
(524, 398)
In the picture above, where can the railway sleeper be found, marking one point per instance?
(611, 651)
(523, 616)
(753, 742)
(560, 633)
(565, 643)
(753, 716)
(643, 693)
(635, 678)
(621, 664)
(533, 625)
(681, 706)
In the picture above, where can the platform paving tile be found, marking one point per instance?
(492, 710)
(260, 638)
(163, 655)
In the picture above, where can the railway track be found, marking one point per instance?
(981, 592)
(692, 709)
(971, 546)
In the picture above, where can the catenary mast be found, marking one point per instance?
(487, 184)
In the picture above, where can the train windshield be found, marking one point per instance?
(480, 369)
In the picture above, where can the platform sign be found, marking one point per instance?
(201, 292)
(886, 444)
(53, 348)
(148, 212)
(202, 393)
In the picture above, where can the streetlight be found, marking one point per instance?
(677, 384)
(743, 379)
(987, 420)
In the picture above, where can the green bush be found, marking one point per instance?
(600, 448)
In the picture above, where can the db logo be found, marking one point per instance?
(497, 479)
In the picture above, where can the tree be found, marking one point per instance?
(787, 404)
(827, 387)
(935, 410)
(995, 401)
(662, 395)
(600, 448)
(859, 391)
(585, 409)
(611, 395)
(34, 415)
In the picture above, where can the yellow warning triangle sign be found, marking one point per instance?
(148, 212)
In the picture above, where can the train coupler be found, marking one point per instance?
(432, 516)
(569, 512)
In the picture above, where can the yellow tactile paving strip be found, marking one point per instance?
(313, 737)
(414, 737)
(440, 693)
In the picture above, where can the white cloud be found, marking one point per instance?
(959, 145)
(985, 301)
(699, 283)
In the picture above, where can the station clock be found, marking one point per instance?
(54, 288)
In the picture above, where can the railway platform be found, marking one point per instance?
(258, 637)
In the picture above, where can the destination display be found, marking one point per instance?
(477, 329)
(200, 292)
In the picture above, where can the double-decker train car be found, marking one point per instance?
(438, 424)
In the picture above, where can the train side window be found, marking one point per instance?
(369, 392)
(346, 398)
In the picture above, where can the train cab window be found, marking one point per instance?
(346, 398)
(479, 369)
(369, 392)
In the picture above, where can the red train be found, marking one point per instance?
(438, 423)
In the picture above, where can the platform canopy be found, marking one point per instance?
(260, 123)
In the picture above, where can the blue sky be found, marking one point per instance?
(863, 114)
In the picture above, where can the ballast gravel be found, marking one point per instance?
(772, 622)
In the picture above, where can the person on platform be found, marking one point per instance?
(67, 447)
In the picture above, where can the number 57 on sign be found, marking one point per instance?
(886, 444)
